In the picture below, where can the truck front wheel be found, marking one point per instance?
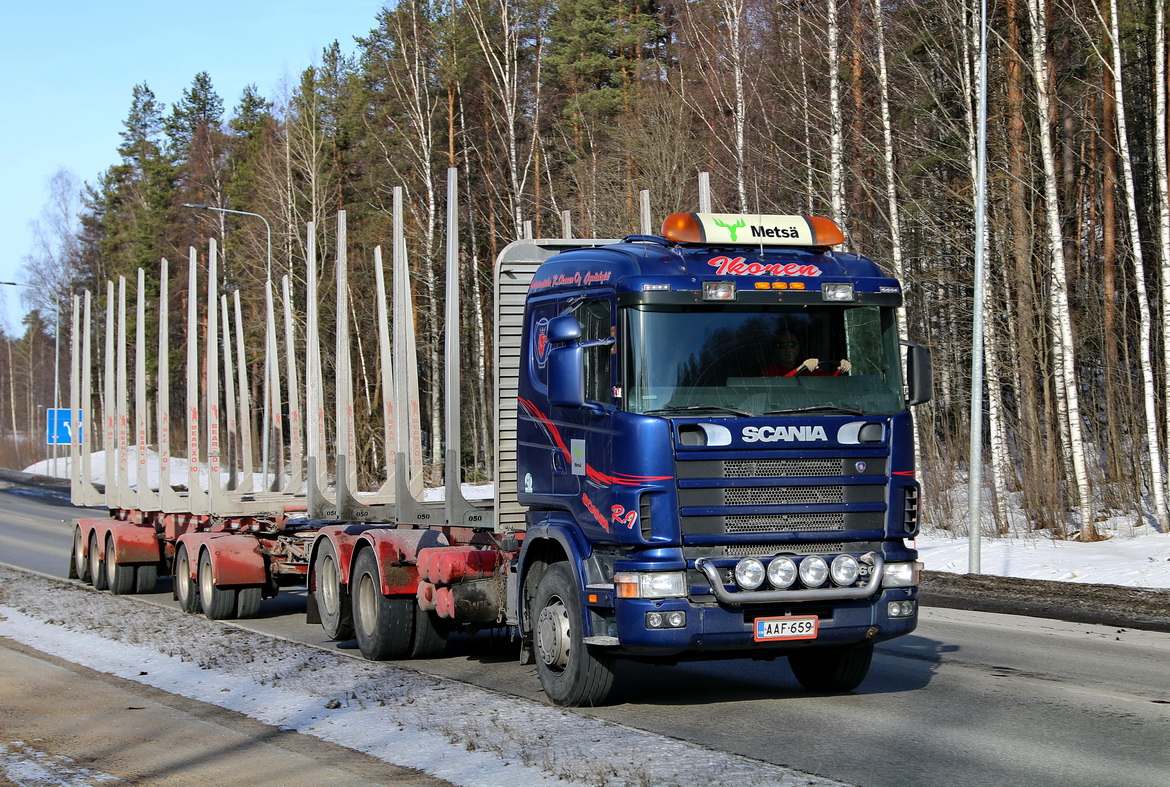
(571, 672)
(832, 669)
(384, 624)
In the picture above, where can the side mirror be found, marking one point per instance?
(566, 362)
(564, 328)
(918, 373)
(566, 374)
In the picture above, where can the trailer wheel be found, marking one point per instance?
(333, 602)
(832, 669)
(571, 672)
(383, 624)
(119, 577)
(97, 566)
(248, 602)
(430, 635)
(219, 603)
(184, 587)
(80, 563)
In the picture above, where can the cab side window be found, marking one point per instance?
(596, 323)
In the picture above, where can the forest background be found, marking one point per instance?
(861, 110)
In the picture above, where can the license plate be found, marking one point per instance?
(769, 629)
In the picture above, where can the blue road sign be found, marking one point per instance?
(60, 426)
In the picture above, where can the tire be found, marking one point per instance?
(219, 603)
(145, 577)
(80, 565)
(184, 586)
(832, 669)
(384, 625)
(571, 672)
(333, 601)
(97, 566)
(430, 635)
(119, 577)
(248, 602)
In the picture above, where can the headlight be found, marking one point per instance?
(814, 571)
(781, 573)
(900, 575)
(749, 573)
(837, 291)
(650, 584)
(844, 570)
(719, 291)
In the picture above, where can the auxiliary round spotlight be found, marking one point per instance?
(814, 571)
(749, 573)
(845, 570)
(781, 573)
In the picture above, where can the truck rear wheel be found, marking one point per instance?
(248, 602)
(80, 563)
(119, 577)
(571, 672)
(145, 577)
(219, 603)
(184, 587)
(384, 624)
(97, 566)
(832, 669)
(333, 602)
(430, 635)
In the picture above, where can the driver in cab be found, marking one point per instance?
(788, 363)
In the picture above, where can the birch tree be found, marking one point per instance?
(1063, 349)
(836, 124)
(1145, 354)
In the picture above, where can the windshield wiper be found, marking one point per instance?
(692, 407)
(842, 408)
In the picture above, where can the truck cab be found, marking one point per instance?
(715, 453)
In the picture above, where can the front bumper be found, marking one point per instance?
(713, 627)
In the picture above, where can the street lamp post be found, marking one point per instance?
(268, 361)
(56, 357)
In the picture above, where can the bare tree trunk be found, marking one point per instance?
(503, 57)
(1145, 358)
(836, 123)
(1163, 209)
(1063, 346)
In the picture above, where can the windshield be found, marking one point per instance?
(762, 359)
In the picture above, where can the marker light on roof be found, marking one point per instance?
(729, 229)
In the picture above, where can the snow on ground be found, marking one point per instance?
(454, 731)
(1130, 556)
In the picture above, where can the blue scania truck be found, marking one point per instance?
(703, 449)
(715, 453)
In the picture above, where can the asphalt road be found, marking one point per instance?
(972, 698)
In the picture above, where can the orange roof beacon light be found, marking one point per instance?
(729, 229)
(682, 228)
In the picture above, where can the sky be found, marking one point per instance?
(67, 70)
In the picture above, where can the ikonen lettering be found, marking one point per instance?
(736, 266)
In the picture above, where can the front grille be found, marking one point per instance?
(781, 523)
(765, 468)
(761, 550)
(781, 495)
